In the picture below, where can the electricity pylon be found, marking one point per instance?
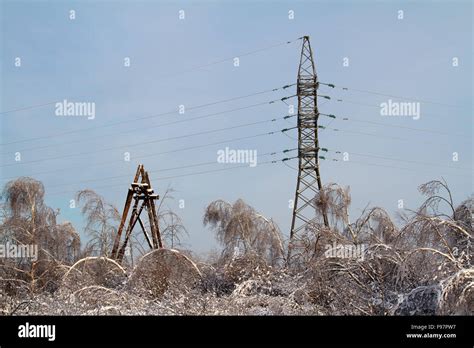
(309, 178)
(144, 197)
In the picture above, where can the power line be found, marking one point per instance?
(28, 107)
(137, 144)
(399, 160)
(188, 174)
(368, 105)
(391, 125)
(82, 140)
(219, 61)
(164, 169)
(146, 117)
(395, 167)
(198, 67)
(375, 106)
(374, 135)
(377, 165)
(142, 156)
(233, 127)
(348, 131)
(387, 95)
(284, 160)
(375, 156)
(172, 151)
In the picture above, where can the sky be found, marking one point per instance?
(137, 62)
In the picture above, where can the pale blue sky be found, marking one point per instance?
(82, 60)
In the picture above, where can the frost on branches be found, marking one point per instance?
(420, 265)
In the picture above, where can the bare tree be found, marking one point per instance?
(239, 228)
(101, 221)
(26, 220)
(173, 230)
(171, 226)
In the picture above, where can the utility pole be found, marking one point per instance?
(309, 178)
(144, 197)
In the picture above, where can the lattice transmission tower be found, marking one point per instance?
(305, 211)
